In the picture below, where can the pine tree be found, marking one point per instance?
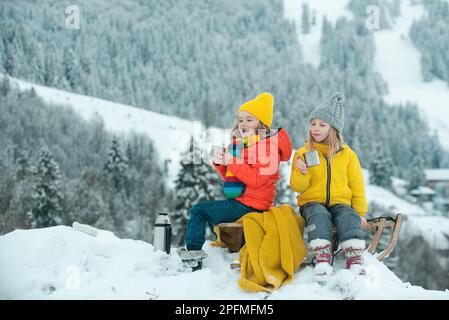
(5, 86)
(313, 23)
(86, 203)
(196, 182)
(116, 165)
(381, 168)
(305, 18)
(47, 192)
(24, 168)
(417, 177)
(71, 69)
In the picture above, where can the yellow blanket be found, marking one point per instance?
(274, 248)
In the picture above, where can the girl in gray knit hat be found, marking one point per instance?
(331, 191)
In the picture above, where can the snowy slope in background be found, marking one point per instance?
(399, 63)
(396, 59)
(310, 43)
(61, 263)
(170, 134)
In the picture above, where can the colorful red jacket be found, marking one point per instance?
(259, 169)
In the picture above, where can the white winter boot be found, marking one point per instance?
(192, 258)
(353, 250)
(322, 250)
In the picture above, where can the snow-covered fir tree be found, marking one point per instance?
(305, 18)
(196, 181)
(381, 168)
(24, 169)
(430, 35)
(417, 177)
(47, 192)
(5, 86)
(116, 165)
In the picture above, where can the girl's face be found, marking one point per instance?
(319, 129)
(248, 124)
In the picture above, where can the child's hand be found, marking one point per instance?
(301, 166)
(217, 155)
(227, 158)
(364, 223)
(217, 158)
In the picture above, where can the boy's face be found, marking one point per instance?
(248, 124)
(319, 129)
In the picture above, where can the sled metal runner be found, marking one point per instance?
(231, 234)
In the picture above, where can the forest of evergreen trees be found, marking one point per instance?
(431, 36)
(57, 168)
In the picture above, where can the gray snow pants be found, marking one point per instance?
(319, 221)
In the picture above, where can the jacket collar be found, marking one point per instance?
(323, 148)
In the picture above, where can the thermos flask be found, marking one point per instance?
(162, 233)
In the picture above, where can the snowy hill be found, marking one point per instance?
(170, 134)
(62, 263)
(398, 61)
(310, 42)
(396, 58)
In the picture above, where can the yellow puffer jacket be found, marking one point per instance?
(331, 182)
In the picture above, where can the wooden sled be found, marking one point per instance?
(231, 234)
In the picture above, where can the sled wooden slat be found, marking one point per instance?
(230, 225)
(393, 239)
(231, 233)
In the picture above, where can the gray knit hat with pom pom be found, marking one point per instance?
(331, 111)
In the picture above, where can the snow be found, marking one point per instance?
(422, 190)
(399, 63)
(388, 199)
(418, 220)
(437, 174)
(310, 43)
(62, 263)
(434, 229)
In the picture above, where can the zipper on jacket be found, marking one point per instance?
(329, 176)
(328, 186)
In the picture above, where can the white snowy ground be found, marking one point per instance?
(62, 263)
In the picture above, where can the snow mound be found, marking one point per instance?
(62, 263)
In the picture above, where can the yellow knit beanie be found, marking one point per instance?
(261, 107)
